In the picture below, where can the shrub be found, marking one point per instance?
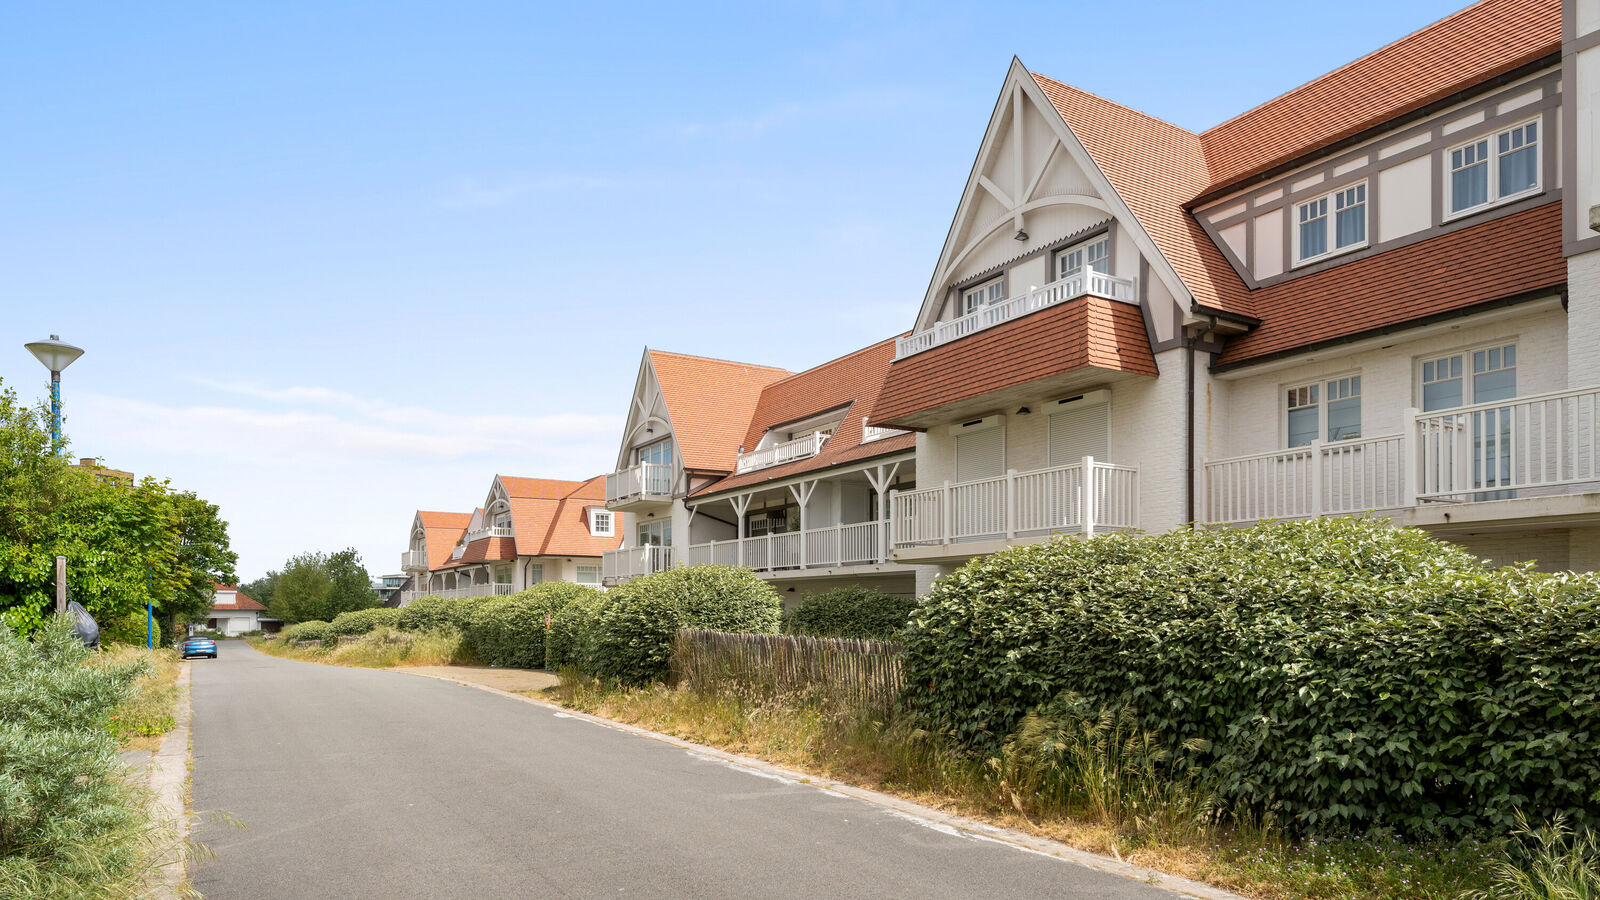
(849, 612)
(574, 633)
(361, 621)
(308, 631)
(129, 629)
(510, 631)
(1337, 673)
(633, 637)
(427, 613)
(70, 825)
(466, 610)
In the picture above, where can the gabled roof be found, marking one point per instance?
(710, 402)
(241, 602)
(1156, 167)
(548, 516)
(442, 530)
(1474, 45)
(852, 381)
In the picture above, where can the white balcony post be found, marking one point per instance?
(1409, 465)
(1317, 504)
(948, 515)
(1009, 499)
(1086, 496)
(885, 538)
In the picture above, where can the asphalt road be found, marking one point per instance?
(364, 783)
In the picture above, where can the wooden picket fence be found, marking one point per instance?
(840, 669)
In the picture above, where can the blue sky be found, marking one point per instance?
(335, 262)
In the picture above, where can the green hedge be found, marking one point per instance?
(849, 612)
(574, 633)
(129, 629)
(1338, 673)
(427, 614)
(313, 630)
(361, 621)
(634, 632)
(510, 631)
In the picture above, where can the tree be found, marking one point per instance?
(203, 557)
(351, 586)
(264, 588)
(319, 586)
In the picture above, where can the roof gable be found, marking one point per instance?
(709, 402)
(440, 533)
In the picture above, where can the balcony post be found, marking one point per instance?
(947, 514)
(1086, 496)
(1008, 502)
(1409, 458)
(885, 538)
(1316, 478)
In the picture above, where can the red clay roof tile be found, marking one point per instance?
(710, 402)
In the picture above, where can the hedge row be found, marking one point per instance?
(1339, 673)
(360, 621)
(849, 612)
(314, 630)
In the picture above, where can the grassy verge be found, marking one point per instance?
(381, 648)
(1112, 808)
(147, 715)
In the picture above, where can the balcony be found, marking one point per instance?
(501, 531)
(412, 560)
(617, 566)
(1090, 284)
(870, 433)
(471, 590)
(778, 454)
(1537, 446)
(642, 485)
(833, 546)
(1086, 497)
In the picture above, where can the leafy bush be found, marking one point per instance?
(361, 621)
(466, 610)
(849, 612)
(308, 631)
(510, 631)
(129, 629)
(633, 637)
(427, 613)
(70, 826)
(1337, 673)
(574, 633)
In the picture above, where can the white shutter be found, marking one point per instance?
(981, 455)
(1076, 433)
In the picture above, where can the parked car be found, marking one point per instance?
(198, 646)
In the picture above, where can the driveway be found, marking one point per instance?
(367, 783)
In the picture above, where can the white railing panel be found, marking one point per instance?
(758, 552)
(822, 546)
(699, 554)
(1482, 451)
(642, 480)
(1115, 491)
(414, 559)
(858, 543)
(778, 454)
(1275, 485)
(918, 518)
(631, 562)
(1362, 475)
(1047, 500)
(978, 509)
(725, 553)
(785, 550)
(1025, 504)
(1081, 284)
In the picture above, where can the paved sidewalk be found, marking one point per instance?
(501, 679)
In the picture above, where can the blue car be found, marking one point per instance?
(198, 646)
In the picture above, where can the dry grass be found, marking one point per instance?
(149, 714)
(1109, 805)
(381, 648)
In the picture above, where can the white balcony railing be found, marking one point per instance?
(503, 531)
(788, 451)
(414, 559)
(1541, 444)
(831, 546)
(1090, 283)
(1019, 504)
(870, 433)
(643, 481)
(631, 562)
(471, 590)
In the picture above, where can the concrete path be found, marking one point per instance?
(502, 679)
(366, 783)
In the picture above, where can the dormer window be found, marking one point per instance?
(1492, 169)
(986, 294)
(656, 454)
(601, 523)
(1096, 254)
(1332, 223)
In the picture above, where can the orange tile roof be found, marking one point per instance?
(1155, 167)
(853, 380)
(1472, 46)
(442, 530)
(1503, 257)
(549, 516)
(488, 549)
(710, 402)
(241, 601)
(1089, 332)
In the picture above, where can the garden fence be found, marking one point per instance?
(843, 669)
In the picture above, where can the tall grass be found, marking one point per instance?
(380, 648)
(1548, 862)
(150, 710)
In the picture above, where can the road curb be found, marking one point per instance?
(169, 770)
(929, 816)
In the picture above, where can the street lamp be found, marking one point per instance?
(56, 356)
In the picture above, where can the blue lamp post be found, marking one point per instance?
(56, 356)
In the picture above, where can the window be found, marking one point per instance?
(535, 573)
(1096, 254)
(1493, 377)
(986, 294)
(655, 534)
(1344, 408)
(1304, 412)
(588, 574)
(1495, 168)
(1330, 408)
(600, 524)
(1348, 224)
(658, 453)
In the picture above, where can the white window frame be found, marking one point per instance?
(1323, 399)
(1468, 386)
(580, 571)
(1492, 140)
(596, 517)
(1083, 247)
(980, 295)
(1330, 220)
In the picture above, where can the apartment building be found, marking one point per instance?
(528, 530)
(1369, 294)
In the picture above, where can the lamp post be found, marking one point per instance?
(56, 356)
